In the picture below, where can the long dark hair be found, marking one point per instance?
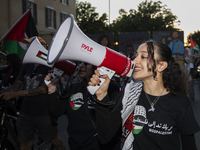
(104, 36)
(174, 78)
(15, 61)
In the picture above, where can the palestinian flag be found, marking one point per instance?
(75, 106)
(137, 129)
(42, 55)
(194, 45)
(23, 28)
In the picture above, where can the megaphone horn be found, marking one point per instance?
(36, 53)
(75, 45)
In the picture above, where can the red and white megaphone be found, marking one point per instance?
(70, 43)
(36, 53)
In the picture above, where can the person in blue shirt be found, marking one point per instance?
(175, 45)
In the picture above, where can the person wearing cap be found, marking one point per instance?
(34, 110)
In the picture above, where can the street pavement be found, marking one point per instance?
(62, 121)
(62, 130)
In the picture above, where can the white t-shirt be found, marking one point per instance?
(191, 65)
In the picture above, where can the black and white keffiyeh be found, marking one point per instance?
(131, 96)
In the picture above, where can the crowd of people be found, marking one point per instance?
(152, 111)
(29, 85)
(191, 63)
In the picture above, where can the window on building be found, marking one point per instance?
(65, 2)
(26, 4)
(50, 18)
(62, 17)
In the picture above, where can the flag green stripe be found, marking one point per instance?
(196, 48)
(14, 47)
(136, 131)
(75, 108)
(42, 58)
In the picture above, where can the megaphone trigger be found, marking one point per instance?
(102, 71)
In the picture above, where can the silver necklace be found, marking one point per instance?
(152, 103)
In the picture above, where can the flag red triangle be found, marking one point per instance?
(72, 105)
(18, 31)
(24, 26)
(39, 53)
(193, 44)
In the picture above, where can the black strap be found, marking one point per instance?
(120, 95)
(110, 103)
(64, 94)
(85, 98)
(119, 101)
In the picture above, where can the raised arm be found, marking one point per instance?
(14, 91)
(17, 85)
(57, 107)
(108, 119)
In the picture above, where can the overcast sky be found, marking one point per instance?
(187, 11)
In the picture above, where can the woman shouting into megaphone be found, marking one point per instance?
(156, 112)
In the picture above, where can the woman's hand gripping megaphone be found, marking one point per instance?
(101, 78)
(100, 84)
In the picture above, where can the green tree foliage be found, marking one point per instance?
(150, 16)
(89, 20)
(195, 36)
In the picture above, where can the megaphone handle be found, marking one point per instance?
(102, 71)
(47, 82)
(55, 71)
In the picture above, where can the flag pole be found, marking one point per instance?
(15, 24)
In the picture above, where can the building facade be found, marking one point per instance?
(47, 14)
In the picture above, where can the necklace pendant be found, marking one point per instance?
(151, 109)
